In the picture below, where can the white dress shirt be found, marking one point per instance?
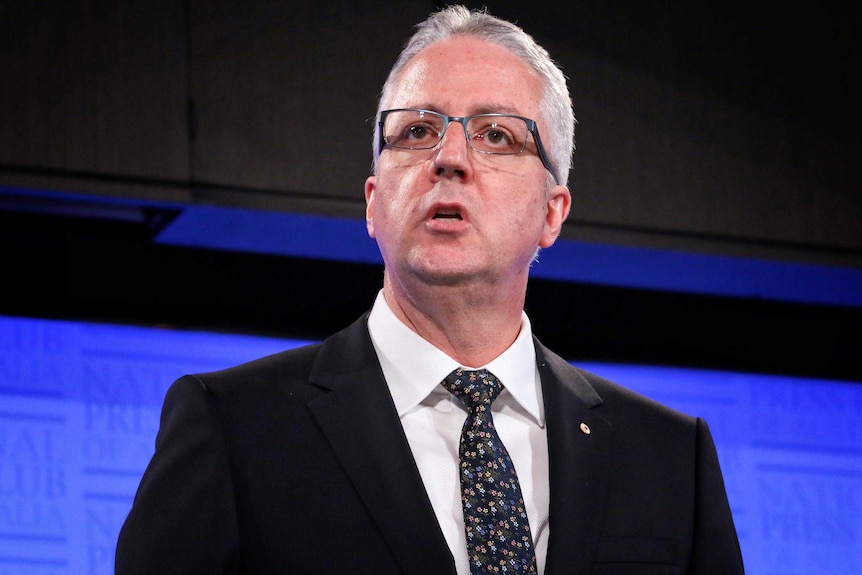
(432, 419)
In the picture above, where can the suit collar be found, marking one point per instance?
(361, 424)
(579, 447)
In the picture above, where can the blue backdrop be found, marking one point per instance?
(79, 410)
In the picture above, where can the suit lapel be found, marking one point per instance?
(361, 424)
(579, 447)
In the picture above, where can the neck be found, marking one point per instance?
(471, 324)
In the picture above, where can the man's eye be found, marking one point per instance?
(493, 138)
(416, 132)
(496, 136)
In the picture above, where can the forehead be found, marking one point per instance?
(464, 75)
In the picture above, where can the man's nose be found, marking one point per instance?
(454, 132)
(452, 156)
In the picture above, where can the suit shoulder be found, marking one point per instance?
(282, 368)
(279, 370)
(296, 367)
(610, 398)
(617, 396)
(295, 361)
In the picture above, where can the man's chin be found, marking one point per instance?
(450, 273)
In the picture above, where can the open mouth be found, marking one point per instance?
(447, 215)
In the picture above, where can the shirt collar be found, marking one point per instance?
(414, 368)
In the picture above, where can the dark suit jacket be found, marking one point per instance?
(297, 463)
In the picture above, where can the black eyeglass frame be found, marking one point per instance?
(532, 128)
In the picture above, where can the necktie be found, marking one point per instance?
(495, 519)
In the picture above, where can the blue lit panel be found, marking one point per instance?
(80, 402)
(345, 239)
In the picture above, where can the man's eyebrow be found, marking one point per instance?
(480, 109)
(494, 109)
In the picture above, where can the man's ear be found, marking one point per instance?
(559, 204)
(370, 188)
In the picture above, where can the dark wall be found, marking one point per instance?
(705, 127)
(702, 127)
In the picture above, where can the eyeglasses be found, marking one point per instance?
(500, 134)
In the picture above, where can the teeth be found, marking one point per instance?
(453, 215)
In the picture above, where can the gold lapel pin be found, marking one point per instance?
(585, 428)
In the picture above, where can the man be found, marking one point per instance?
(347, 456)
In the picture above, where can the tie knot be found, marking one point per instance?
(473, 387)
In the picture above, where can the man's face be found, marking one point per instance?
(451, 215)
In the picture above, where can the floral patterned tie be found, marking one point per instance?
(495, 519)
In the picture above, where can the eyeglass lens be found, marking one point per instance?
(490, 133)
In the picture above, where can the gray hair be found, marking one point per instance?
(556, 105)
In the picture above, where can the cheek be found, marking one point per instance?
(391, 210)
(528, 223)
(524, 208)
